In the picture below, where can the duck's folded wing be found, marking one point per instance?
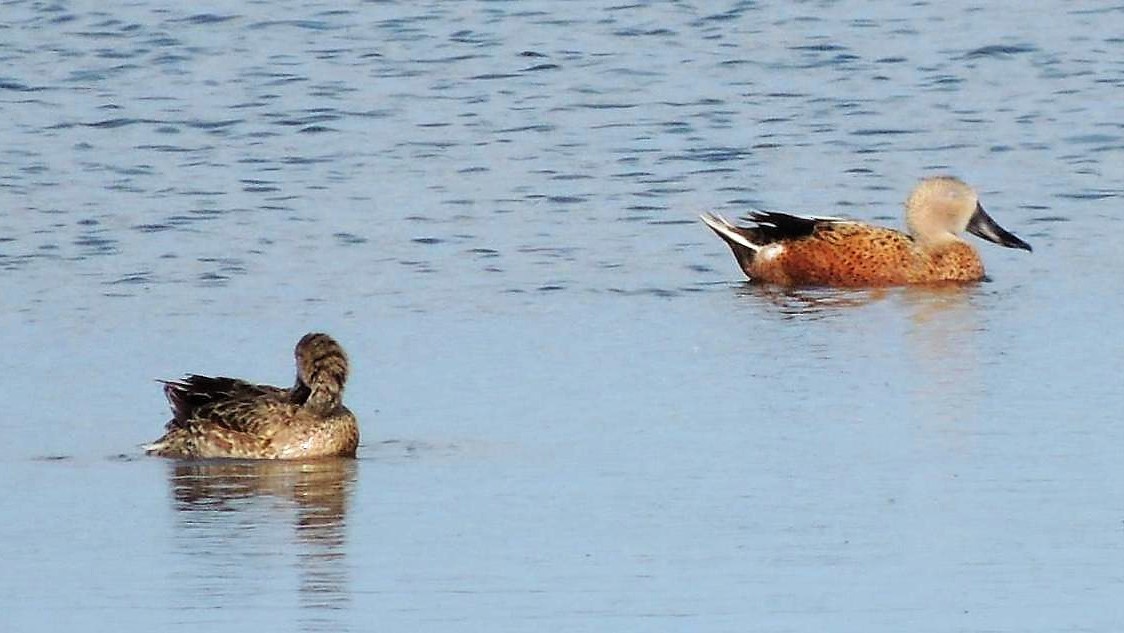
(775, 226)
(261, 417)
(207, 397)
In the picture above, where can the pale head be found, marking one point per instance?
(939, 209)
(943, 207)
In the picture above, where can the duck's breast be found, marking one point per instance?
(954, 261)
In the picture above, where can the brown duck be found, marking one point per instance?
(228, 417)
(795, 250)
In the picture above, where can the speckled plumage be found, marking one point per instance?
(228, 417)
(805, 251)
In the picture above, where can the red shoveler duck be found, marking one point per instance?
(228, 417)
(796, 250)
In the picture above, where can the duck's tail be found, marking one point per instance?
(740, 240)
(172, 444)
(154, 448)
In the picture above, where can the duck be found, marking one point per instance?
(796, 250)
(221, 417)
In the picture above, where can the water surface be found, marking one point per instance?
(576, 415)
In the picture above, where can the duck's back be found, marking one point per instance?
(846, 253)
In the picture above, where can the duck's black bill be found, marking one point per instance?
(982, 225)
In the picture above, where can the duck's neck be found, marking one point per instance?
(937, 241)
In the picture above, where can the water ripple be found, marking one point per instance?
(999, 51)
(206, 18)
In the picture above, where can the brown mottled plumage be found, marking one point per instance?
(227, 417)
(817, 251)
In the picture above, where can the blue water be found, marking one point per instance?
(576, 414)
